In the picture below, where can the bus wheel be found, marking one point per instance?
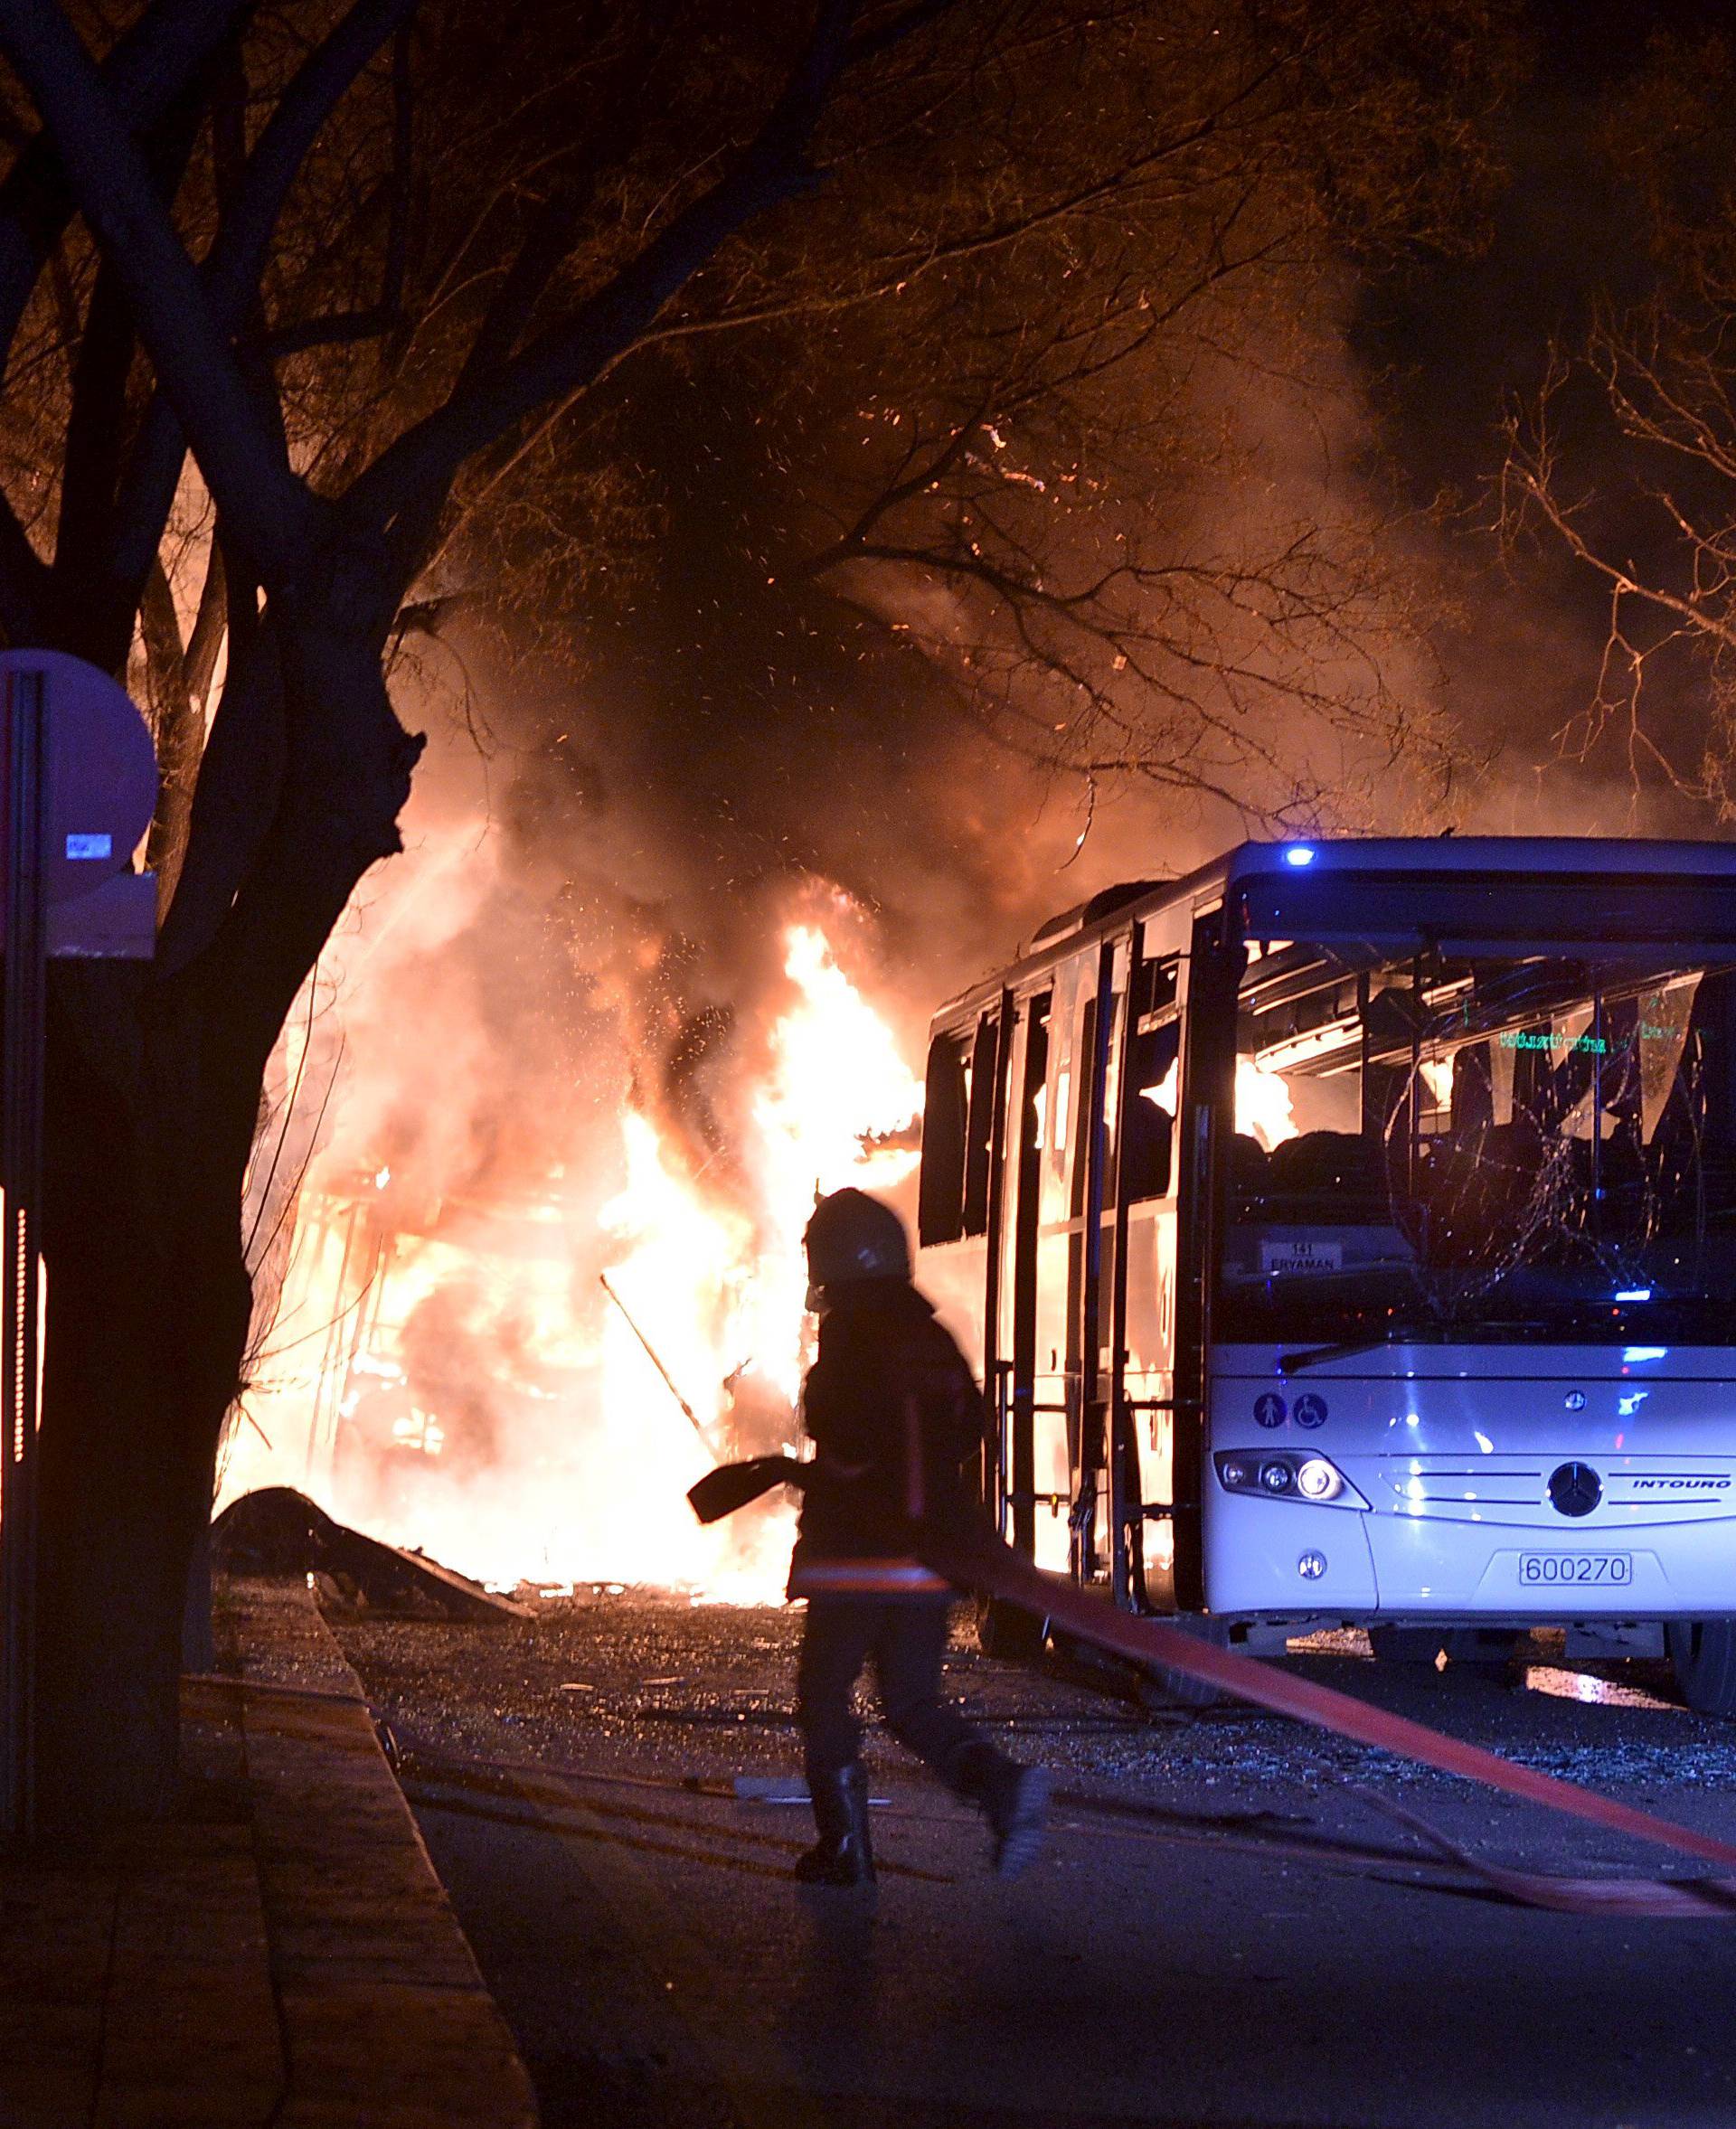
(1405, 1644)
(1160, 1687)
(1007, 1632)
(1702, 1653)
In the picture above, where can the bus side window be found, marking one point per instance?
(1151, 1114)
(940, 1201)
(980, 1124)
(1155, 1071)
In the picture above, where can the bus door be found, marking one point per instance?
(1045, 1287)
(1058, 1461)
(1069, 1453)
(1015, 1247)
(1204, 1132)
(1120, 1159)
(1099, 1470)
(1135, 1312)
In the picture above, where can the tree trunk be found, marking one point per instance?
(146, 1315)
(177, 709)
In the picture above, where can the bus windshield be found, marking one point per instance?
(1521, 1147)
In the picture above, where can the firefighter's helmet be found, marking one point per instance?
(852, 1236)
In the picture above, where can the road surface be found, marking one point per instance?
(1184, 1958)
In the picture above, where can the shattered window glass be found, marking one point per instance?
(1663, 1032)
(1533, 1145)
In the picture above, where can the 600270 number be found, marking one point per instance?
(1535, 1567)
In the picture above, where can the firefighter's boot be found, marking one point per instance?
(1014, 1799)
(844, 1854)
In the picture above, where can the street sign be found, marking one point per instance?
(78, 787)
(98, 774)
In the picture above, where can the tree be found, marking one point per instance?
(1625, 461)
(301, 308)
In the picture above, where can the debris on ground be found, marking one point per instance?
(279, 1532)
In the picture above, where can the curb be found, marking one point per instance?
(386, 2020)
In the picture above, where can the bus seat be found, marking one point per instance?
(1250, 1166)
(1327, 1161)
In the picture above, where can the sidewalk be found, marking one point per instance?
(282, 1955)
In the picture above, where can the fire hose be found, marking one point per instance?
(972, 1556)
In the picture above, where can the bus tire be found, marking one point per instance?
(1160, 1687)
(1703, 1654)
(1406, 1645)
(1007, 1632)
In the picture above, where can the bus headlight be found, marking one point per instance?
(1286, 1474)
(1316, 1480)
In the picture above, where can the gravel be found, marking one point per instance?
(658, 1686)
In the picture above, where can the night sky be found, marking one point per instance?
(1449, 344)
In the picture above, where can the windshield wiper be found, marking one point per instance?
(1346, 1349)
(1434, 1332)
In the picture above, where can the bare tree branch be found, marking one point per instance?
(151, 64)
(341, 329)
(232, 272)
(177, 725)
(415, 471)
(237, 258)
(1670, 583)
(269, 510)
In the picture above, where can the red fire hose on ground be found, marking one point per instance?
(978, 1560)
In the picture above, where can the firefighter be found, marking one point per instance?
(895, 1415)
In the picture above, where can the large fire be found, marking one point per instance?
(477, 1381)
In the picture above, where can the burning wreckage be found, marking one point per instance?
(277, 1532)
(523, 1383)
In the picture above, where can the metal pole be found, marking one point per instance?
(22, 1015)
(651, 1353)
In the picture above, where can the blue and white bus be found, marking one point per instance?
(1347, 1236)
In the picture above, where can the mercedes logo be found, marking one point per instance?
(1575, 1489)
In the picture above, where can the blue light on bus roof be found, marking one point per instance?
(1635, 1294)
(1300, 854)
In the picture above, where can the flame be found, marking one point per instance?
(1263, 1108)
(1262, 1105)
(1164, 1094)
(518, 1428)
(1437, 1078)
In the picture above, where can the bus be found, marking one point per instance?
(1346, 1235)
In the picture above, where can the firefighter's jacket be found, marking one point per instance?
(894, 1416)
